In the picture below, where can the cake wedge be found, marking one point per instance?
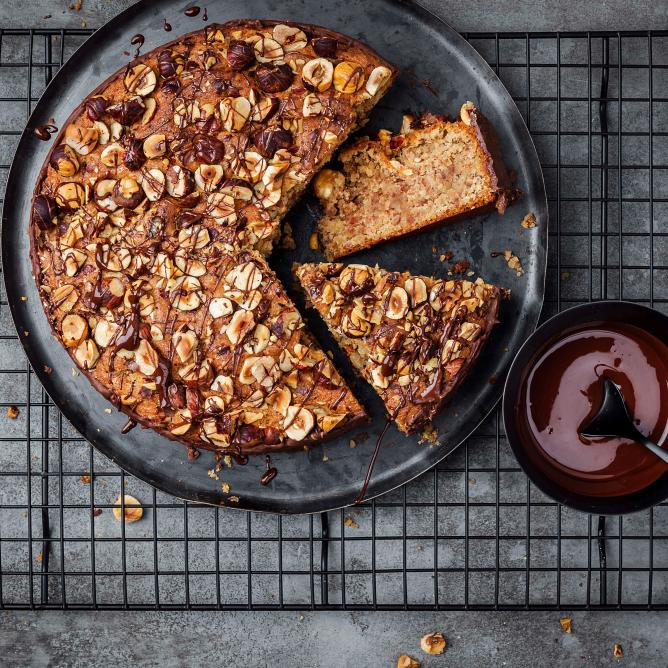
(432, 171)
(413, 338)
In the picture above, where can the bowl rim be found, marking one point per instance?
(579, 314)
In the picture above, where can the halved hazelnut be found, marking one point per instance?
(128, 193)
(279, 400)
(187, 295)
(264, 109)
(181, 422)
(115, 131)
(74, 329)
(155, 146)
(267, 49)
(146, 358)
(433, 643)
(260, 339)
(104, 332)
(74, 259)
(186, 113)
(318, 73)
(312, 105)
(355, 280)
(149, 112)
(207, 177)
(290, 38)
(379, 379)
(140, 79)
(129, 511)
(234, 112)
(180, 182)
(153, 183)
(196, 374)
(64, 297)
(220, 307)
(465, 112)
(348, 77)
(354, 324)
(253, 165)
(241, 323)
(64, 160)
(396, 303)
(82, 140)
(185, 344)
(112, 155)
(87, 354)
(70, 195)
(326, 182)
(224, 385)
(246, 276)
(221, 207)
(405, 661)
(238, 189)
(328, 422)
(377, 79)
(416, 289)
(189, 265)
(298, 423)
(103, 192)
(196, 236)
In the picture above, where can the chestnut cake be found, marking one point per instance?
(432, 171)
(154, 211)
(413, 338)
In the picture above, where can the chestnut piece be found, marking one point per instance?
(95, 107)
(45, 210)
(325, 46)
(240, 55)
(274, 78)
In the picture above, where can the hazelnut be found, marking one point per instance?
(70, 195)
(274, 78)
(86, 354)
(103, 193)
(140, 79)
(355, 325)
(355, 280)
(104, 332)
(112, 155)
(146, 358)
(279, 400)
(318, 73)
(207, 177)
(155, 146)
(246, 277)
(267, 49)
(95, 107)
(348, 77)
(271, 140)
(377, 79)
(379, 379)
(151, 106)
(64, 160)
(326, 182)
(234, 112)
(133, 156)
(187, 295)
(298, 423)
(396, 303)
(209, 149)
(196, 374)
(290, 38)
(465, 112)
(237, 189)
(181, 421)
(312, 105)
(433, 643)
(253, 165)
(128, 111)
(64, 297)
(129, 511)
(416, 289)
(240, 55)
(220, 307)
(405, 661)
(240, 324)
(127, 193)
(260, 338)
(264, 109)
(180, 182)
(153, 184)
(185, 344)
(74, 329)
(186, 113)
(221, 207)
(45, 212)
(224, 385)
(325, 46)
(73, 259)
(82, 140)
(104, 135)
(170, 64)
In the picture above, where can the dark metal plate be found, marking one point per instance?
(425, 49)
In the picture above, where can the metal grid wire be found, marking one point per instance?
(473, 532)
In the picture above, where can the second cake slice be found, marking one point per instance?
(414, 338)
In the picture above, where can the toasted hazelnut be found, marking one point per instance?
(416, 289)
(432, 643)
(129, 510)
(259, 339)
(267, 49)
(180, 182)
(237, 189)
(234, 112)
(103, 193)
(348, 77)
(207, 177)
(221, 207)
(328, 422)
(189, 265)
(240, 55)
(82, 140)
(104, 332)
(155, 146)
(146, 358)
(149, 112)
(405, 661)
(70, 195)
(318, 74)
(128, 111)
(354, 325)
(271, 140)
(127, 193)
(185, 343)
(274, 78)
(224, 385)
(298, 423)
(153, 183)
(241, 323)
(214, 404)
(133, 156)
(290, 38)
(246, 276)
(253, 165)
(220, 307)
(45, 212)
(187, 296)
(87, 354)
(312, 106)
(379, 378)
(104, 134)
(74, 259)
(196, 374)
(617, 651)
(264, 109)
(396, 303)
(279, 400)
(95, 107)
(74, 329)
(196, 236)
(64, 160)
(186, 113)
(64, 297)
(140, 79)
(355, 280)
(326, 181)
(377, 79)
(112, 155)
(170, 63)
(115, 131)
(465, 112)
(181, 422)
(325, 46)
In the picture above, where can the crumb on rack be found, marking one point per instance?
(529, 221)
(12, 412)
(566, 624)
(350, 522)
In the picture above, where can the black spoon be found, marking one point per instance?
(613, 419)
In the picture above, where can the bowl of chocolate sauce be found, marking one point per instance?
(554, 388)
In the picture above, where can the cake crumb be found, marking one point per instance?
(287, 240)
(234, 499)
(566, 624)
(225, 487)
(75, 372)
(617, 651)
(24, 298)
(352, 444)
(511, 259)
(429, 435)
(313, 243)
(39, 556)
(350, 522)
(212, 474)
(131, 512)
(405, 661)
(48, 369)
(107, 410)
(433, 643)
(325, 458)
(85, 478)
(12, 412)
(529, 221)
(227, 459)
(460, 267)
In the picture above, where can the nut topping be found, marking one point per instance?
(179, 181)
(140, 79)
(82, 140)
(207, 177)
(298, 423)
(70, 195)
(290, 38)
(234, 112)
(318, 74)
(274, 78)
(312, 105)
(112, 155)
(64, 160)
(127, 193)
(87, 354)
(465, 112)
(185, 344)
(74, 330)
(103, 194)
(146, 358)
(348, 77)
(325, 46)
(267, 49)
(220, 307)
(242, 322)
(326, 182)
(153, 184)
(155, 146)
(416, 289)
(240, 55)
(377, 79)
(245, 277)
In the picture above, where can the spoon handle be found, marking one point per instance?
(659, 452)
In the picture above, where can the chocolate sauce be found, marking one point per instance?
(138, 41)
(167, 27)
(128, 426)
(270, 473)
(192, 11)
(205, 16)
(45, 131)
(376, 450)
(563, 391)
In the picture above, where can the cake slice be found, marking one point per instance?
(414, 338)
(433, 171)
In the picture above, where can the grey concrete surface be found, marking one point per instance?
(321, 639)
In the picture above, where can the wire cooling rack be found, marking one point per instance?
(473, 533)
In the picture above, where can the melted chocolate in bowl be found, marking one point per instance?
(563, 390)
